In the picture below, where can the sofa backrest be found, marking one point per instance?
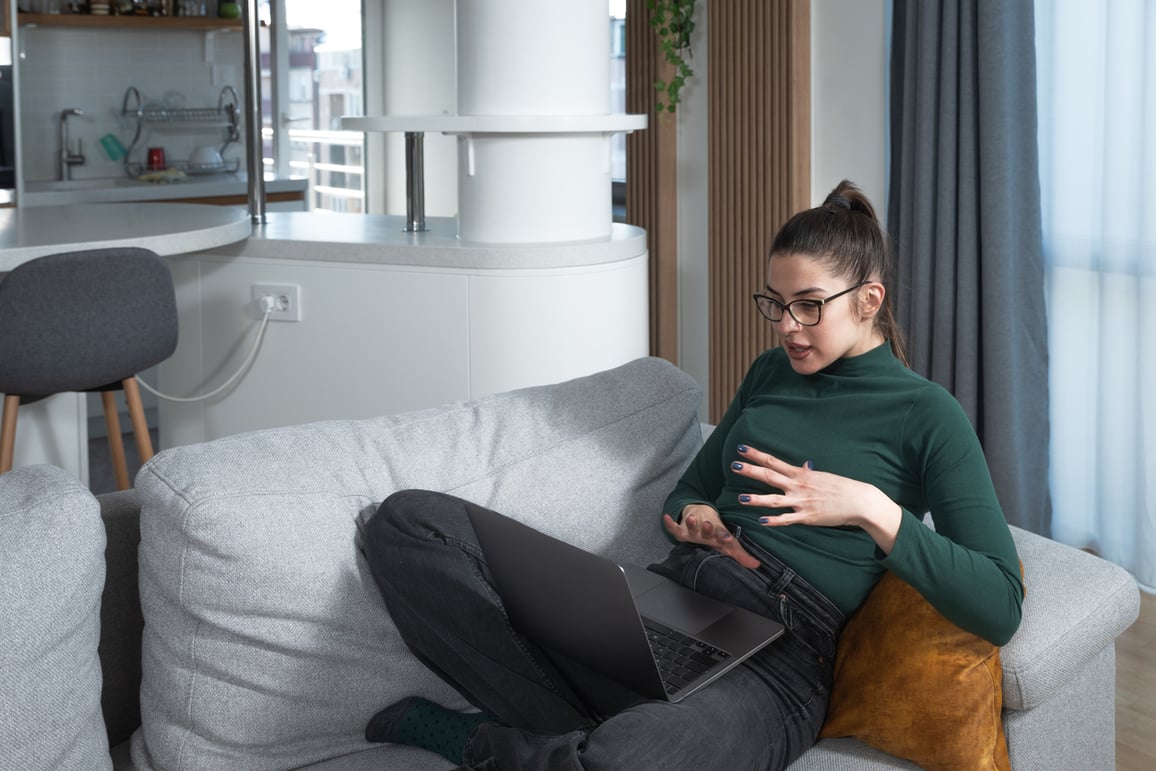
(51, 575)
(266, 643)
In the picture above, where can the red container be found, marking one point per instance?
(156, 159)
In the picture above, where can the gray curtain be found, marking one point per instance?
(964, 213)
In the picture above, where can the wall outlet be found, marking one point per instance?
(286, 300)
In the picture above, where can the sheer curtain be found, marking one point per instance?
(1097, 130)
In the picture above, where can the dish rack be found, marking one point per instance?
(225, 115)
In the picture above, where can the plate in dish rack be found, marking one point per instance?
(225, 167)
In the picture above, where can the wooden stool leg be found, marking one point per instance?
(140, 426)
(8, 432)
(115, 442)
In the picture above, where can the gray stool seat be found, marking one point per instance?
(85, 321)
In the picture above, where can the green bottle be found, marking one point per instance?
(229, 10)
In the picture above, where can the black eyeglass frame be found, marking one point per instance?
(788, 307)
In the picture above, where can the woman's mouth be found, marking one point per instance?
(796, 351)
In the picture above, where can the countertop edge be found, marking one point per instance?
(368, 239)
(165, 228)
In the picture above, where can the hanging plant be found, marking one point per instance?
(673, 20)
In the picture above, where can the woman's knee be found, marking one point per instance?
(417, 525)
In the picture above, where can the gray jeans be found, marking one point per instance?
(554, 714)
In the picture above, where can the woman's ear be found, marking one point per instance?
(871, 299)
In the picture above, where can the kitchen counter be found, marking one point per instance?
(110, 189)
(166, 228)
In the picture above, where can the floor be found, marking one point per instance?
(1135, 649)
(1136, 691)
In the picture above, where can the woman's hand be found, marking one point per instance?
(701, 524)
(818, 498)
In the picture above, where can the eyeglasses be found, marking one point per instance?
(807, 313)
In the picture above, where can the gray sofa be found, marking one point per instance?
(258, 640)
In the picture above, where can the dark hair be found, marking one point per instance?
(845, 234)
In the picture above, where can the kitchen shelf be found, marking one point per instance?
(226, 113)
(88, 21)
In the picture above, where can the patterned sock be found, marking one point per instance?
(418, 722)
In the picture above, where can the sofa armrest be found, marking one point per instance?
(121, 622)
(1075, 605)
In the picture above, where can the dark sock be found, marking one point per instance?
(418, 722)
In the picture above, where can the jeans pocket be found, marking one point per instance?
(802, 629)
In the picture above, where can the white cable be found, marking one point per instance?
(249, 358)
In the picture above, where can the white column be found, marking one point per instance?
(533, 58)
(529, 57)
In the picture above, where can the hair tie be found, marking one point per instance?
(836, 200)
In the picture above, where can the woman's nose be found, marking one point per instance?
(787, 323)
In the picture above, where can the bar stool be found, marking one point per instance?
(85, 321)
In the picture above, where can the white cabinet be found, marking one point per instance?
(392, 321)
(372, 339)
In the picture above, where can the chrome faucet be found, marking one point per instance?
(68, 159)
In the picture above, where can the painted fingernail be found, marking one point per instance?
(764, 520)
(743, 448)
(744, 498)
(809, 464)
(737, 466)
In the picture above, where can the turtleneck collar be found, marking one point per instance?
(878, 357)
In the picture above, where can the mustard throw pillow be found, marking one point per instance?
(913, 684)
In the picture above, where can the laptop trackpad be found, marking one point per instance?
(679, 607)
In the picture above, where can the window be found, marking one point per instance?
(618, 105)
(1097, 93)
(311, 76)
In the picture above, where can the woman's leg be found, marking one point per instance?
(761, 715)
(425, 559)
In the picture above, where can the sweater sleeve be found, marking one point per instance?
(967, 567)
(703, 480)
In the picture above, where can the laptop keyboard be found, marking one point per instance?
(681, 659)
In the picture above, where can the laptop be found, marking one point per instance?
(648, 633)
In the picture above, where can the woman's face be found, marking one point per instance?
(847, 325)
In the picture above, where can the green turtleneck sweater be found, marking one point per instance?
(871, 419)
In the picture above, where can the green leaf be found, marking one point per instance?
(673, 23)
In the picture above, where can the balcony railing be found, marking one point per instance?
(333, 162)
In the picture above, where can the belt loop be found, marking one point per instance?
(783, 580)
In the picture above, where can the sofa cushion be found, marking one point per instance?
(266, 643)
(51, 576)
(913, 684)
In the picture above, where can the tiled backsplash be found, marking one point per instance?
(91, 69)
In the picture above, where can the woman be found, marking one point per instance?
(811, 486)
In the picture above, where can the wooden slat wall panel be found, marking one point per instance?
(759, 159)
(652, 178)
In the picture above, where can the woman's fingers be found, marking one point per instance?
(703, 531)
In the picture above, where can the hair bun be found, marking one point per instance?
(847, 197)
